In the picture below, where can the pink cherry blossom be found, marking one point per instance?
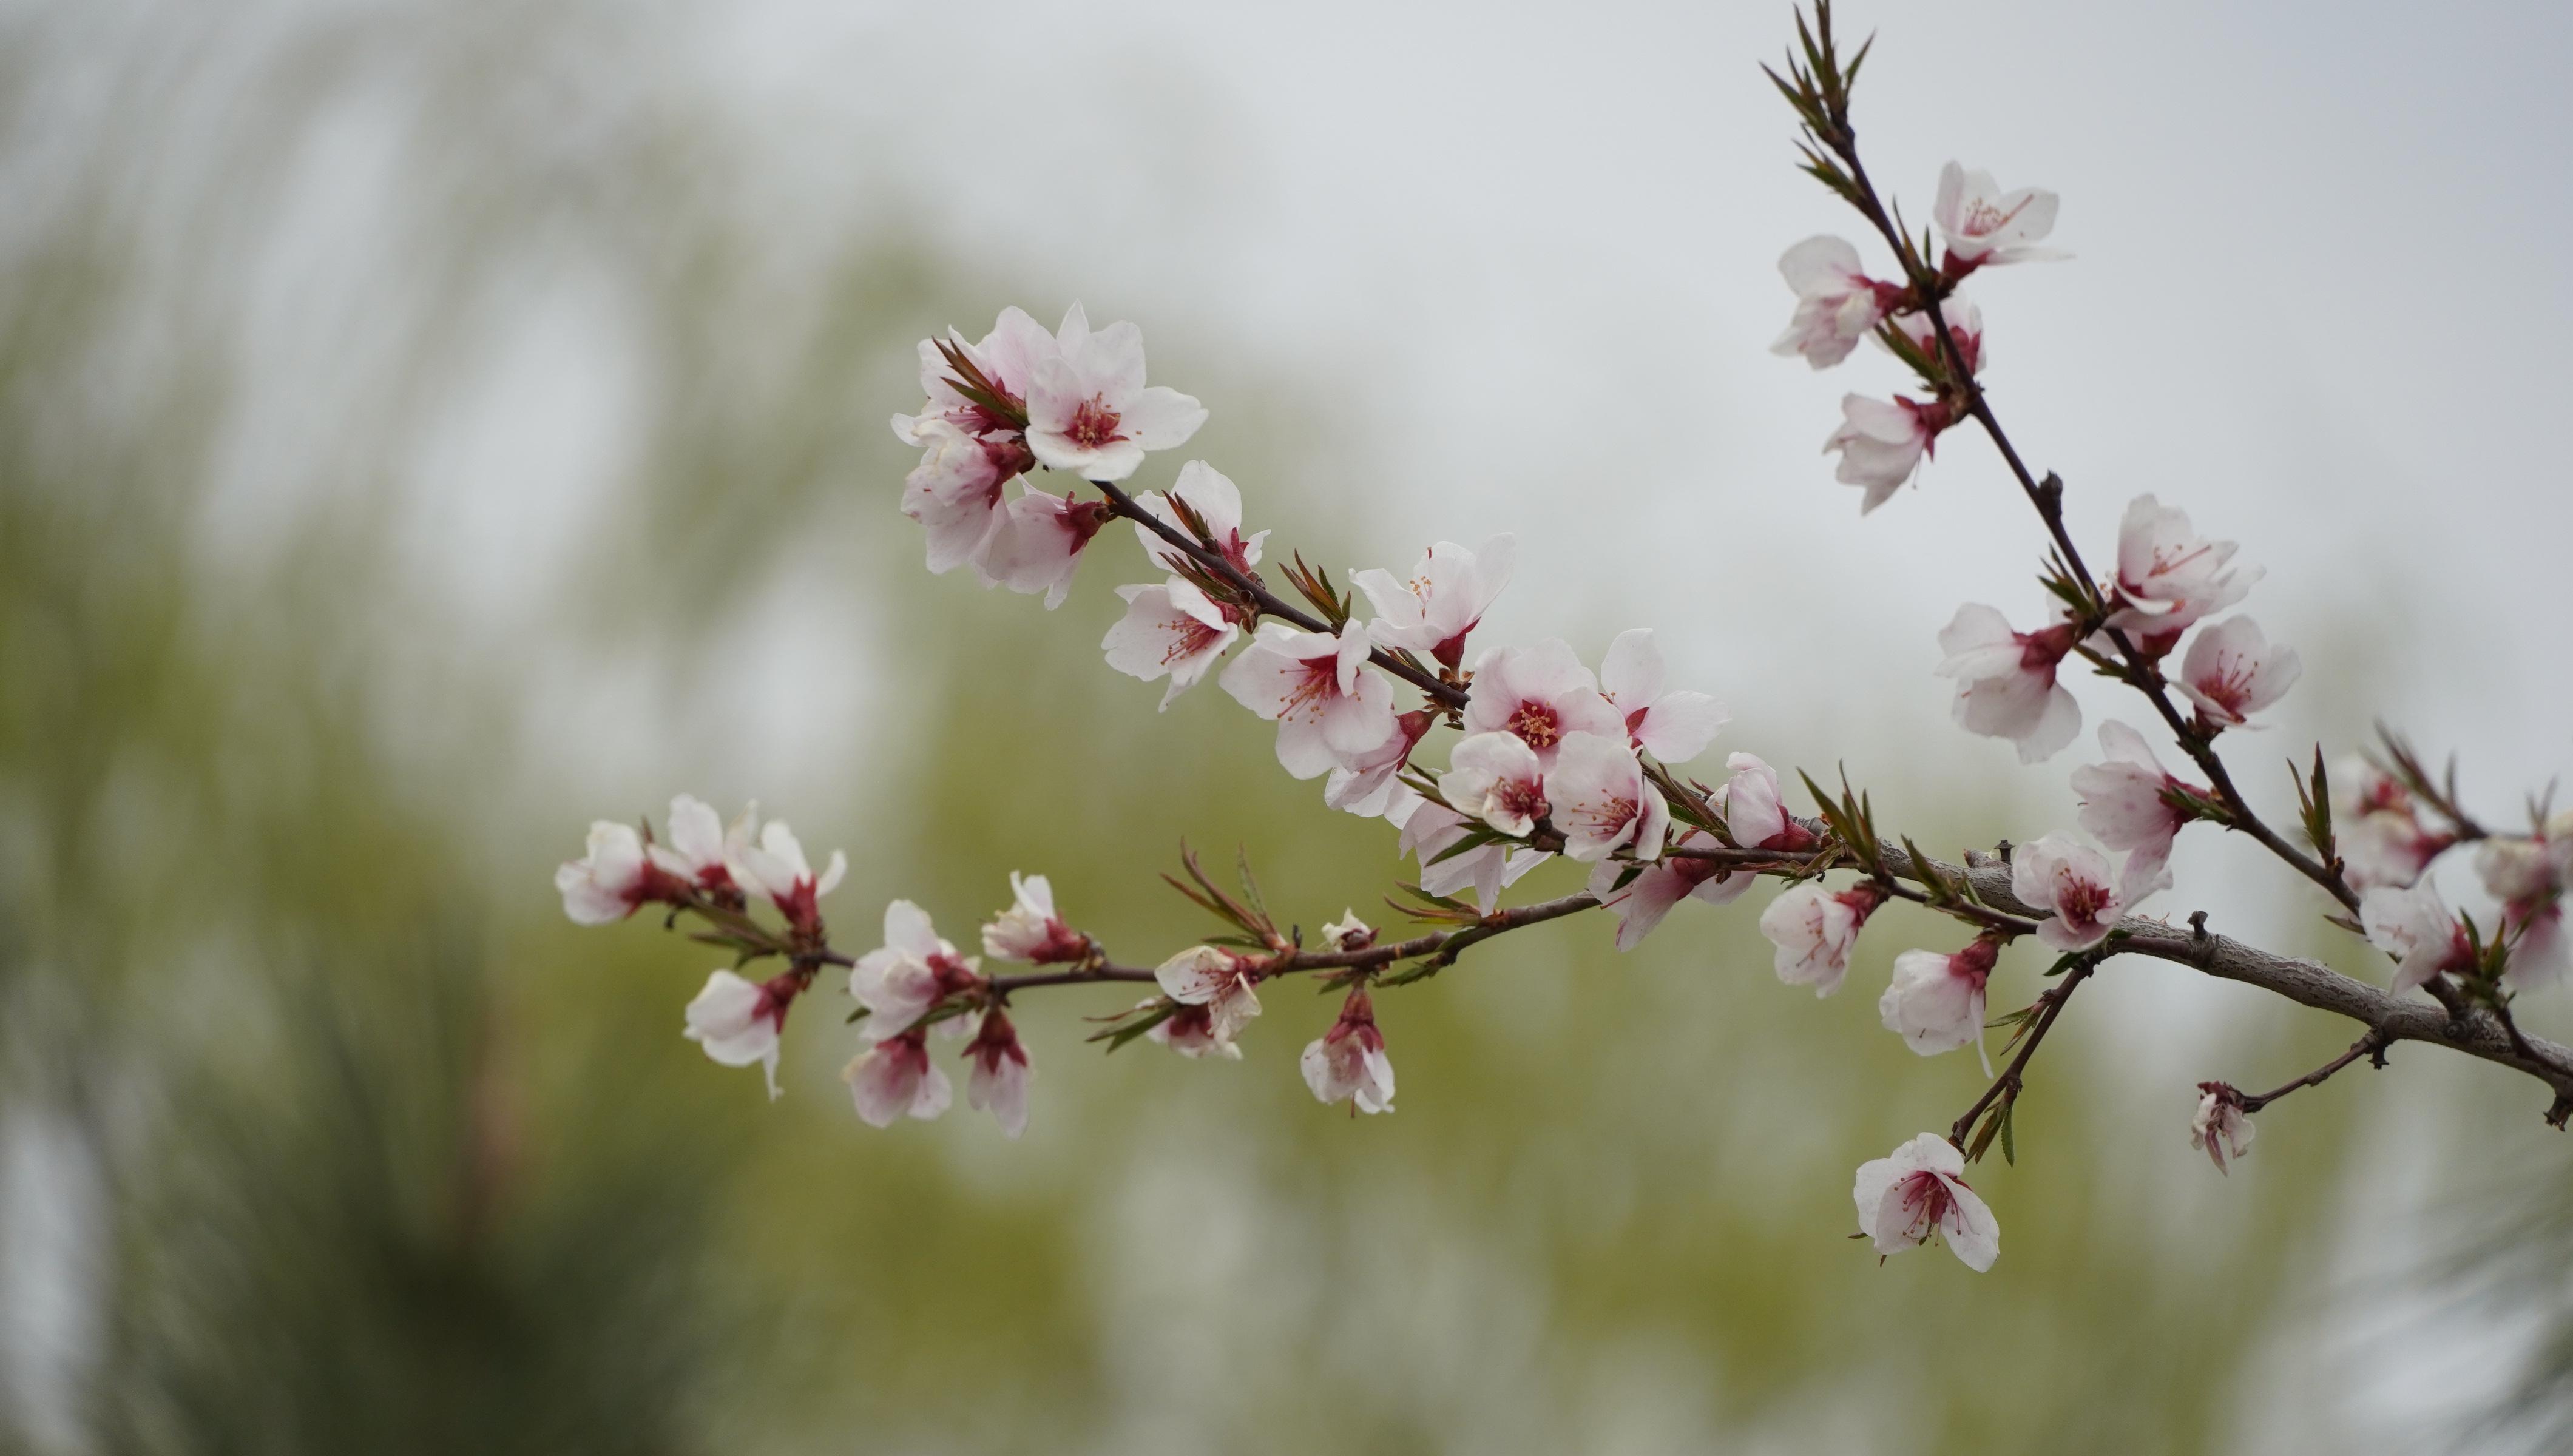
(998, 1078)
(1171, 631)
(1919, 1194)
(1008, 357)
(2005, 681)
(907, 977)
(1088, 411)
(1444, 599)
(2073, 881)
(1495, 777)
(1037, 544)
(1673, 726)
(1648, 893)
(2170, 577)
(2221, 1130)
(897, 1078)
(737, 1021)
(1190, 1031)
(1348, 1063)
(1328, 703)
(1541, 693)
(955, 491)
(1815, 928)
(1029, 930)
(1983, 225)
(2123, 804)
(1836, 304)
(1753, 812)
(775, 867)
(1216, 979)
(1217, 503)
(1429, 830)
(2377, 827)
(605, 885)
(2232, 672)
(1881, 444)
(1602, 802)
(2415, 927)
(700, 846)
(1965, 322)
(1366, 783)
(1936, 1001)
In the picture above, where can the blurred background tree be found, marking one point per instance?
(418, 438)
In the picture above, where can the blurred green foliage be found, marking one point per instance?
(384, 1156)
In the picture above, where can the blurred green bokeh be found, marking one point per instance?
(325, 1133)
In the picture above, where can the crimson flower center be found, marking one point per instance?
(1537, 723)
(2082, 900)
(1093, 424)
(1522, 797)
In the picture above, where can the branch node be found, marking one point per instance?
(2198, 924)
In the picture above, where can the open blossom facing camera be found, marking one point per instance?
(1171, 631)
(2006, 685)
(1316, 686)
(1216, 501)
(775, 867)
(1883, 443)
(1542, 694)
(1445, 600)
(1814, 930)
(1088, 411)
(997, 1081)
(2415, 927)
(1647, 897)
(1919, 1194)
(897, 1079)
(2073, 881)
(1837, 305)
(2221, 1129)
(737, 1021)
(1348, 1063)
(901, 981)
(1495, 777)
(1029, 930)
(1673, 726)
(2125, 801)
(1216, 979)
(1602, 802)
(2169, 576)
(1983, 225)
(1936, 1001)
(2232, 672)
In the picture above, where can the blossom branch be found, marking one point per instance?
(1959, 384)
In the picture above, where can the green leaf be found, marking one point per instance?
(2010, 1151)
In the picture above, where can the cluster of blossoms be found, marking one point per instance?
(1553, 759)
